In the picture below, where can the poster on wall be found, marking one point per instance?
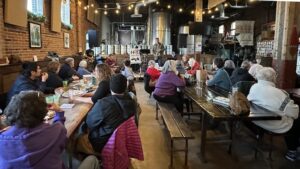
(66, 40)
(35, 35)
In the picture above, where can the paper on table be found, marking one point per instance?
(66, 106)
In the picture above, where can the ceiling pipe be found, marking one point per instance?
(138, 5)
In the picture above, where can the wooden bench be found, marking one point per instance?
(176, 126)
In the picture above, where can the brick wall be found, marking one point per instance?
(15, 39)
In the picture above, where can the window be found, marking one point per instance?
(35, 6)
(232, 28)
(65, 12)
(221, 29)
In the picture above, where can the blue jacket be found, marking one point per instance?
(24, 83)
(221, 79)
(82, 71)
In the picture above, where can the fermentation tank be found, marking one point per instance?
(161, 28)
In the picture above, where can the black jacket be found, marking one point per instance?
(102, 91)
(53, 81)
(229, 71)
(240, 74)
(24, 83)
(106, 115)
(66, 72)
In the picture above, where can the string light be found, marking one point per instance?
(217, 9)
(226, 4)
(92, 5)
(203, 12)
(105, 6)
(129, 8)
(169, 6)
(79, 3)
(180, 9)
(145, 4)
(213, 16)
(209, 11)
(117, 11)
(96, 11)
(85, 8)
(105, 12)
(131, 5)
(157, 2)
(192, 12)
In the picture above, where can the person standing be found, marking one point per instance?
(158, 51)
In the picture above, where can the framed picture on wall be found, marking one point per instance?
(35, 35)
(66, 40)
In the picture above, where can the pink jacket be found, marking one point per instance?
(123, 144)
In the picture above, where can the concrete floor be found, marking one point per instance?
(156, 143)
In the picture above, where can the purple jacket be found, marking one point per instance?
(167, 84)
(34, 148)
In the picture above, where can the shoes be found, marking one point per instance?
(291, 155)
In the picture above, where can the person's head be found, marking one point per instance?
(170, 65)
(70, 62)
(118, 84)
(185, 58)
(191, 62)
(245, 65)
(103, 72)
(218, 63)
(266, 74)
(151, 63)
(229, 64)
(26, 109)
(127, 63)
(53, 66)
(31, 70)
(157, 40)
(83, 64)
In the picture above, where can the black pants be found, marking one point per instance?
(176, 99)
(293, 135)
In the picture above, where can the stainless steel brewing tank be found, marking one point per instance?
(161, 28)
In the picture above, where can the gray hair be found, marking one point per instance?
(229, 64)
(170, 65)
(83, 64)
(69, 60)
(245, 64)
(266, 74)
(151, 62)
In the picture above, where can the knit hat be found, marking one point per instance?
(118, 84)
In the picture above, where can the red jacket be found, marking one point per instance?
(194, 68)
(153, 72)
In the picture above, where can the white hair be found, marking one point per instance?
(191, 62)
(83, 64)
(151, 62)
(170, 65)
(229, 64)
(245, 64)
(266, 74)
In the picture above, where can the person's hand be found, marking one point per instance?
(44, 77)
(55, 108)
(75, 77)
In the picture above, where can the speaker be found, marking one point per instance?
(182, 40)
(200, 28)
(93, 38)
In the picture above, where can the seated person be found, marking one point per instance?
(82, 68)
(110, 61)
(100, 59)
(127, 72)
(277, 101)
(152, 72)
(28, 142)
(53, 81)
(106, 115)
(180, 65)
(185, 60)
(229, 66)
(29, 80)
(167, 84)
(194, 65)
(67, 71)
(221, 78)
(241, 74)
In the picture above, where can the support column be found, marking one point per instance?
(285, 43)
(79, 26)
(198, 18)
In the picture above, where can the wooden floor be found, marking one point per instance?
(156, 145)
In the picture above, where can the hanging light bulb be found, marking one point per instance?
(79, 3)
(203, 12)
(85, 8)
(192, 12)
(157, 2)
(96, 11)
(105, 12)
(169, 6)
(180, 10)
(226, 4)
(217, 9)
(213, 16)
(105, 6)
(145, 4)
(131, 5)
(209, 11)
(129, 8)
(117, 11)
(92, 5)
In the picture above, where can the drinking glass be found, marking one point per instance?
(56, 98)
(65, 85)
(49, 100)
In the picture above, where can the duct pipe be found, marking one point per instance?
(138, 5)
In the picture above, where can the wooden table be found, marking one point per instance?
(202, 97)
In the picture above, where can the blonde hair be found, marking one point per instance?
(83, 64)
(170, 65)
(104, 72)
